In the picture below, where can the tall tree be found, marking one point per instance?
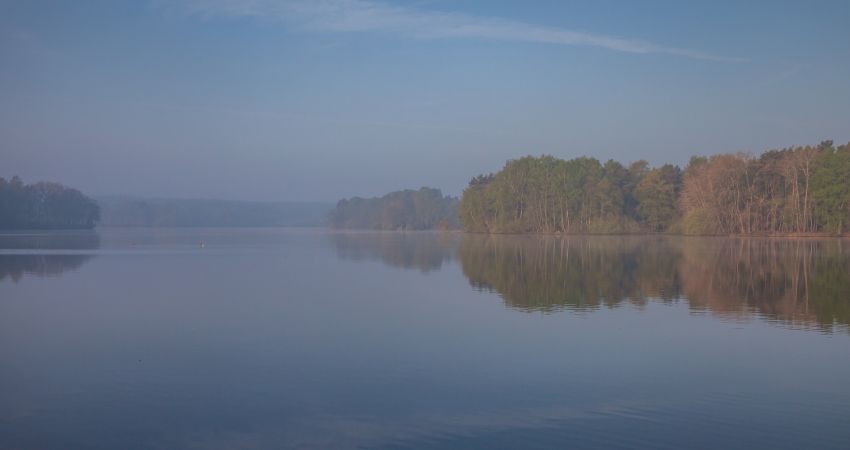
(831, 189)
(657, 195)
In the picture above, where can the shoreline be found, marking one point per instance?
(811, 235)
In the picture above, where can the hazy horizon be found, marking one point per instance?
(258, 100)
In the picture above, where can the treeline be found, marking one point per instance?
(424, 209)
(44, 205)
(136, 212)
(794, 190)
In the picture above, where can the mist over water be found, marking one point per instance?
(186, 186)
(257, 338)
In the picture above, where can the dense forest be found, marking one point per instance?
(44, 206)
(793, 190)
(136, 212)
(424, 209)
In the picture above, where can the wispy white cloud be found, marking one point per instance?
(372, 16)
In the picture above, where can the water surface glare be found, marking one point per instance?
(275, 338)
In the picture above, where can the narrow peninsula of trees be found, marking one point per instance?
(424, 209)
(794, 190)
(44, 206)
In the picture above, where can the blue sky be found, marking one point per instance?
(316, 100)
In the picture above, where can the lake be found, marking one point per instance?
(275, 338)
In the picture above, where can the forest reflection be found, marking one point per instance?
(425, 251)
(547, 273)
(46, 258)
(798, 282)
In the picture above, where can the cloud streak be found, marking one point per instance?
(353, 16)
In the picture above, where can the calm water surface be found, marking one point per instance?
(308, 339)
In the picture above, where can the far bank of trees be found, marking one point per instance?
(44, 205)
(794, 190)
(141, 212)
(424, 209)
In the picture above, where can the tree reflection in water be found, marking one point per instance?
(425, 251)
(40, 253)
(797, 282)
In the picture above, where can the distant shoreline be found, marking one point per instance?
(754, 235)
(818, 235)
